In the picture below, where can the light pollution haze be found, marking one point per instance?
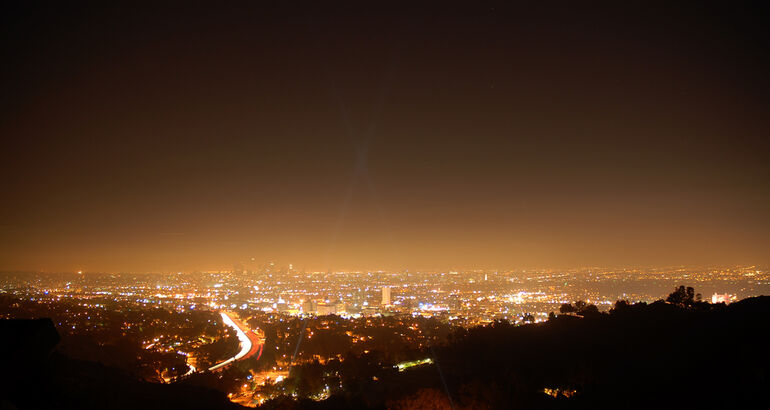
(439, 137)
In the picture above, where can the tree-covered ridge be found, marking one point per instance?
(682, 352)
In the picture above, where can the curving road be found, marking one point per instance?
(250, 343)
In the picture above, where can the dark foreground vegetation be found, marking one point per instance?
(679, 353)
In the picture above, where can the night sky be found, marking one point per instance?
(383, 135)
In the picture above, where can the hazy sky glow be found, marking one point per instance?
(488, 135)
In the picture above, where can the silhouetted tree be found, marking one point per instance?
(580, 307)
(501, 322)
(566, 308)
(682, 296)
(589, 310)
(620, 306)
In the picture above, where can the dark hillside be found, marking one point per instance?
(708, 355)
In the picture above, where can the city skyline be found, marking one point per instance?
(346, 204)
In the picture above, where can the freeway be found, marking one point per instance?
(250, 343)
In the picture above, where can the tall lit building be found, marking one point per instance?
(726, 298)
(309, 307)
(385, 295)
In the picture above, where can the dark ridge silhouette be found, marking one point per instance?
(25, 346)
(36, 378)
(678, 354)
(684, 354)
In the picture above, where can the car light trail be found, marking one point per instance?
(242, 337)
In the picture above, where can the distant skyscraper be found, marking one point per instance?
(308, 307)
(385, 295)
